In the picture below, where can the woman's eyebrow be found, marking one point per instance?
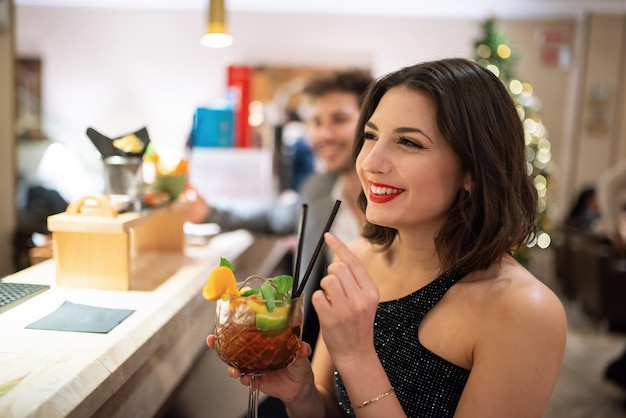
(405, 130)
(371, 125)
(401, 130)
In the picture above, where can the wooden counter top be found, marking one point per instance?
(135, 367)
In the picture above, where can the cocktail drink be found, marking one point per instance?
(257, 329)
(254, 340)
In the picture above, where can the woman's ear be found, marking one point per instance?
(468, 185)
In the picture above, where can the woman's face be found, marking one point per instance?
(409, 174)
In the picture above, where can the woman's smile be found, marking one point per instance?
(382, 193)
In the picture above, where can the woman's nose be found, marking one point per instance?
(374, 158)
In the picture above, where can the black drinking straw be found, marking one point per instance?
(316, 253)
(296, 273)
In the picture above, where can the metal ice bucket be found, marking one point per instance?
(123, 176)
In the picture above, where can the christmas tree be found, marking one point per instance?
(493, 52)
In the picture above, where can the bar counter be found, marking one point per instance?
(132, 370)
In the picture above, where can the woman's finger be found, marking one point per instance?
(210, 341)
(333, 285)
(341, 278)
(344, 254)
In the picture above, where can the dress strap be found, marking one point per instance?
(411, 309)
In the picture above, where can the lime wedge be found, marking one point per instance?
(270, 322)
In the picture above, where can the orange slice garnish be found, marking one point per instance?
(221, 281)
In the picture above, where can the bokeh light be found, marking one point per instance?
(515, 86)
(256, 116)
(504, 51)
(543, 240)
(494, 69)
(527, 89)
(483, 51)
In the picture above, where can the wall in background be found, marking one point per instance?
(600, 133)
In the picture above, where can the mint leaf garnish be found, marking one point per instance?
(225, 263)
(267, 293)
(282, 284)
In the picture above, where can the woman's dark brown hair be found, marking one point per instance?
(481, 124)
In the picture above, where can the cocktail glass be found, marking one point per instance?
(257, 339)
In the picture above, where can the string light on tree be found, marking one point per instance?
(494, 53)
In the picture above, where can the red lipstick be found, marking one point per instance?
(383, 193)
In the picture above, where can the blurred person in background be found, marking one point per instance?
(585, 212)
(296, 159)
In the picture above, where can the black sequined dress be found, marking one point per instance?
(426, 384)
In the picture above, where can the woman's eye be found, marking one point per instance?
(369, 136)
(410, 143)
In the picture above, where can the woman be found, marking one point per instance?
(429, 315)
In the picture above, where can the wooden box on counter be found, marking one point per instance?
(96, 247)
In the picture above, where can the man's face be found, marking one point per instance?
(332, 128)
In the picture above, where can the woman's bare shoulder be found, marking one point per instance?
(528, 289)
(517, 350)
(510, 288)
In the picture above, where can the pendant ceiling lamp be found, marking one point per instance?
(217, 33)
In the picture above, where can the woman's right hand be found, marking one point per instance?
(288, 384)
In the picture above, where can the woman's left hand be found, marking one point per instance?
(346, 304)
(288, 384)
